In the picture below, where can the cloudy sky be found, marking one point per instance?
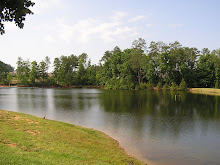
(65, 27)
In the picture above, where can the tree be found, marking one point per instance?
(9, 79)
(56, 65)
(14, 10)
(81, 75)
(153, 69)
(206, 70)
(43, 70)
(4, 70)
(34, 73)
(23, 71)
(139, 46)
(64, 69)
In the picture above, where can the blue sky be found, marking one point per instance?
(65, 27)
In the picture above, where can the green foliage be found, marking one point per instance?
(165, 86)
(149, 86)
(159, 86)
(174, 86)
(34, 73)
(14, 11)
(141, 86)
(9, 79)
(5, 69)
(130, 68)
(216, 85)
(206, 70)
(183, 85)
(23, 71)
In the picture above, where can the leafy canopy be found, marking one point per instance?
(14, 10)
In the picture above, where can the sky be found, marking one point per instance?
(65, 27)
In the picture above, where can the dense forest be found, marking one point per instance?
(5, 73)
(139, 67)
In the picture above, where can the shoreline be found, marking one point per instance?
(205, 91)
(29, 119)
(79, 86)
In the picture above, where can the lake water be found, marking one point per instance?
(163, 128)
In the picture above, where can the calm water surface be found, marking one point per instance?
(164, 128)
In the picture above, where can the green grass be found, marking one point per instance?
(207, 91)
(26, 139)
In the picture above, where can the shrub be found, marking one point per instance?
(123, 87)
(173, 86)
(183, 85)
(149, 86)
(165, 86)
(216, 85)
(159, 86)
(143, 86)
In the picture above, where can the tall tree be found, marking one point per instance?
(5, 69)
(206, 70)
(23, 71)
(34, 73)
(139, 47)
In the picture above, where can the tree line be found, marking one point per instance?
(161, 65)
(139, 67)
(5, 75)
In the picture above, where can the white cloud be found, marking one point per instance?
(49, 38)
(119, 15)
(44, 5)
(175, 26)
(10, 26)
(149, 25)
(137, 18)
(90, 29)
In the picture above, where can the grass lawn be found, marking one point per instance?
(25, 139)
(207, 91)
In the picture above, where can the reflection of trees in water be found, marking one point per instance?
(72, 100)
(161, 104)
(163, 112)
(31, 98)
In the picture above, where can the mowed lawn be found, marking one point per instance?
(25, 139)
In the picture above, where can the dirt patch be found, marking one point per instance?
(11, 145)
(33, 132)
(32, 122)
(8, 142)
(18, 118)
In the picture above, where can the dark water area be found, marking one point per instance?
(164, 128)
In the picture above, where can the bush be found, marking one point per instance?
(183, 85)
(123, 87)
(173, 86)
(143, 86)
(149, 86)
(165, 86)
(159, 86)
(216, 85)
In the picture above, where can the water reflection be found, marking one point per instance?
(162, 104)
(162, 126)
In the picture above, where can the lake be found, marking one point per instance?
(157, 127)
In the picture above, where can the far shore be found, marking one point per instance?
(205, 91)
(77, 86)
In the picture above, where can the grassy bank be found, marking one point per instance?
(26, 139)
(206, 91)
